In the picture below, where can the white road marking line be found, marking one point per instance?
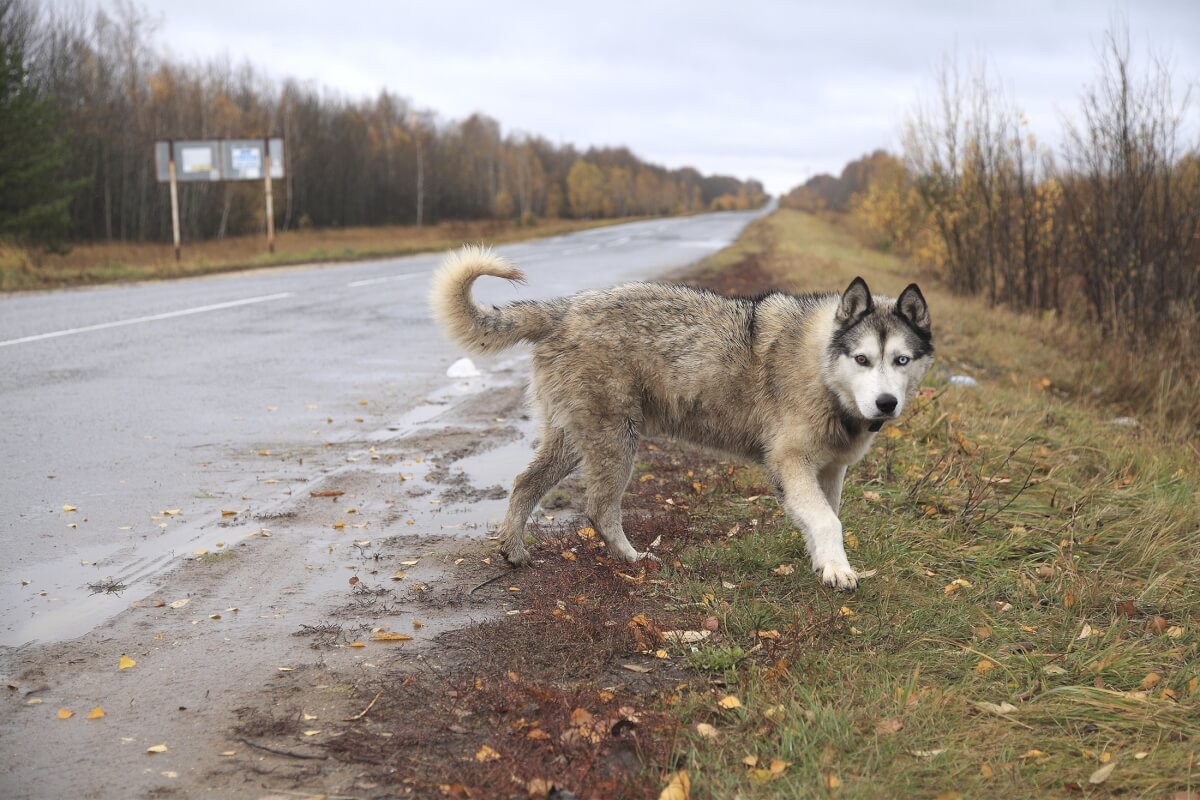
(152, 318)
(370, 281)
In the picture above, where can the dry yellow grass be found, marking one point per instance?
(110, 262)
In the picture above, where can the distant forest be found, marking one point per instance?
(112, 92)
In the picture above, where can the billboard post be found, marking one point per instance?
(174, 199)
(267, 190)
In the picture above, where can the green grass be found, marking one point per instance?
(1075, 545)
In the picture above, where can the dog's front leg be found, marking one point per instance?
(808, 504)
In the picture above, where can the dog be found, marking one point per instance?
(799, 384)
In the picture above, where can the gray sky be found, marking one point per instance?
(773, 90)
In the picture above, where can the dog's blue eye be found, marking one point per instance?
(862, 361)
(902, 360)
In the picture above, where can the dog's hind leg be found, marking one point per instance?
(608, 455)
(554, 460)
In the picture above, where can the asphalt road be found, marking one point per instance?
(145, 407)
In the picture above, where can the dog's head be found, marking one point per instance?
(880, 350)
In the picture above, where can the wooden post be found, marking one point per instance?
(270, 204)
(174, 196)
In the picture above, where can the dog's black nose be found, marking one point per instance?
(886, 403)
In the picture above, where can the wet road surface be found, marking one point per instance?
(150, 410)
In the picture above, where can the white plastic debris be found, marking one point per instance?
(963, 380)
(463, 368)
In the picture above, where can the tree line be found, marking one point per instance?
(111, 93)
(1106, 227)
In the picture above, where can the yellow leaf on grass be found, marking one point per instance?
(1101, 775)
(486, 753)
(1032, 753)
(893, 433)
(983, 666)
(1151, 680)
(851, 540)
(729, 701)
(96, 713)
(385, 636)
(679, 787)
(707, 731)
(986, 772)
(784, 569)
(158, 748)
(955, 585)
(587, 533)
(568, 555)
(126, 662)
(65, 713)
(750, 761)
(831, 780)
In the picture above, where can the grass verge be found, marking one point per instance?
(97, 263)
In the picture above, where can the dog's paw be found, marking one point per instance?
(838, 576)
(515, 555)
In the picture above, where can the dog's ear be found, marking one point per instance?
(856, 301)
(911, 305)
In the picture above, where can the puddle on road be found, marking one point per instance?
(57, 605)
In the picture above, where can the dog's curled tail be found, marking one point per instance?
(483, 329)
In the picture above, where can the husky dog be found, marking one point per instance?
(796, 383)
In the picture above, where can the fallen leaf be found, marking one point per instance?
(1157, 625)
(872, 497)
(928, 753)
(399, 575)
(537, 734)
(65, 713)
(34, 701)
(637, 668)
(126, 663)
(1053, 669)
(96, 713)
(771, 634)
(686, 637)
(784, 569)
(984, 665)
(357, 644)
(568, 555)
(889, 725)
(986, 772)
(200, 552)
(170, 512)
(1175, 631)
(179, 603)
(385, 636)
(707, 731)
(485, 754)
(158, 748)
(1101, 775)
(1140, 755)
(750, 761)
(1084, 632)
(327, 493)
(831, 780)
(1151, 679)
(1001, 709)
(955, 585)
(729, 702)
(1032, 753)
(225, 512)
(69, 508)
(411, 563)
(311, 733)
(678, 788)
(339, 525)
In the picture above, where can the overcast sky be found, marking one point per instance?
(773, 90)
